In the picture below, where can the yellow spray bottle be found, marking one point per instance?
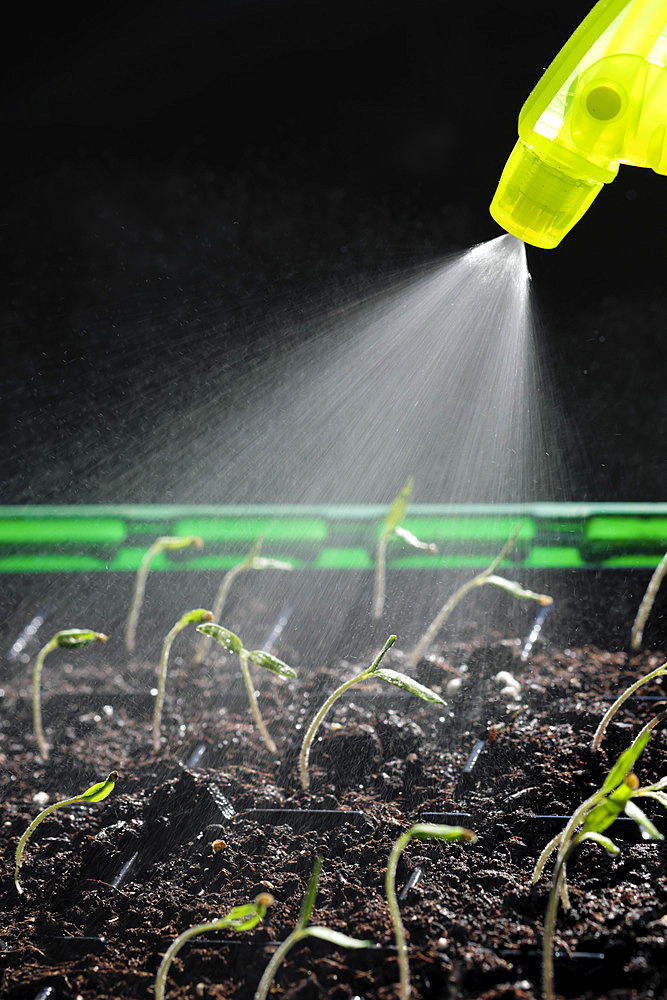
(601, 102)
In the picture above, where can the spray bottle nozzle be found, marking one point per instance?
(537, 200)
(602, 102)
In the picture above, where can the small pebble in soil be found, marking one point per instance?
(453, 686)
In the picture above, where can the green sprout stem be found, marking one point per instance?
(421, 831)
(380, 581)
(239, 918)
(231, 642)
(304, 756)
(70, 638)
(252, 561)
(397, 511)
(637, 633)
(593, 817)
(95, 793)
(556, 892)
(485, 577)
(159, 545)
(303, 931)
(392, 526)
(611, 711)
(391, 676)
(252, 697)
(191, 617)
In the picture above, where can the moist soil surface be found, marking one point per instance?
(109, 885)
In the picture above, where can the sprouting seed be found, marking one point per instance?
(69, 638)
(231, 642)
(588, 822)
(239, 918)
(377, 672)
(190, 618)
(487, 576)
(637, 633)
(611, 711)
(392, 526)
(252, 561)
(95, 793)
(159, 545)
(302, 931)
(420, 831)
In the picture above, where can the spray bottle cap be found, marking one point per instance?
(540, 201)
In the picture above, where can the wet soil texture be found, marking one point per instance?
(108, 886)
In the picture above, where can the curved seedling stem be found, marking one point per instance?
(70, 638)
(96, 793)
(159, 545)
(637, 633)
(239, 918)
(611, 711)
(485, 577)
(231, 642)
(190, 618)
(421, 831)
(302, 931)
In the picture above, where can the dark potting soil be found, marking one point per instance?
(108, 886)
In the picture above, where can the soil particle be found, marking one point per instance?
(473, 921)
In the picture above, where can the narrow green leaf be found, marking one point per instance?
(100, 789)
(611, 807)
(254, 551)
(439, 831)
(412, 540)
(72, 638)
(260, 562)
(625, 762)
(408, 684)
(222, 636)
(378, 659)
(179, 541)
(311, 893)
(271, 663)
(643, 822)
(656, 787)
(398, 508)
(336, 938)
(196, 616)
(660, 797)
(243, 918)
(516, 590)
(600, 839)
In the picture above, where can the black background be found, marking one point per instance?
(187, 178)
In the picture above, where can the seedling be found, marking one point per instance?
(392, 526)
(302, 931)
(252, 561)
(239, 918)
(377, 673)
(487, 576)
(159, 545)
(70, 638)
(637, 634)
(421, 831)
(231, 642)
(192, 617)
(95, 793)
(609, 714)
(593, 817)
